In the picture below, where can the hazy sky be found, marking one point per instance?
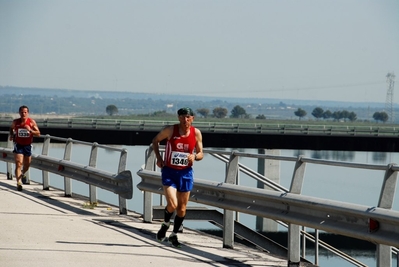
(303, 49)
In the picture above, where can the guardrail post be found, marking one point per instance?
(294, 256)
(93, 163)
(271, 169)
(10, 144)
(147, 201)
(150, 159)
(122, 167)
(45, 174)
(303, 242)
(228, 217)
(232, 169)
(294, 241)
(316, 247)
(67, 156)
(387, 194)
(298, 176)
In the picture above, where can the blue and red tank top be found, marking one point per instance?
(22, 135)
(178, 148)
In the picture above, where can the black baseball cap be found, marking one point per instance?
(185, 111)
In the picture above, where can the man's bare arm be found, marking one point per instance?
(165, 133)
(11, 136)
(199, 146)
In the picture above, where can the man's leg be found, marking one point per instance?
(18, 165)
(182, 199)
(26, 164)
(171, 200)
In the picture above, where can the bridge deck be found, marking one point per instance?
(45, 228)
(302, 137)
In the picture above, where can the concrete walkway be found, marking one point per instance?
(45, 228)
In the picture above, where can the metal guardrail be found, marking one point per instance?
(120, 183)
(331, 216)
(379, 224)
(218, 127)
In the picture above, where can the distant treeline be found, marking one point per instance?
(76, 103)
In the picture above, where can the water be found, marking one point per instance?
(335, 183)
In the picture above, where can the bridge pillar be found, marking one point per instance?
(270, 169)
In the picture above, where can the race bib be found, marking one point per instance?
(23, 133)
(179, 158)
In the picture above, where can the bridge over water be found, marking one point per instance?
(228, 135)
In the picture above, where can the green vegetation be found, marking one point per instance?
(154, 107)
(220, 112)
(239, 112)
(111, 110)
(300, 113)
(204, 112)
(345, 115)
(380, 116)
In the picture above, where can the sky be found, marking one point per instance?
(334, 50)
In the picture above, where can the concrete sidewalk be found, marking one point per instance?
(45, 228)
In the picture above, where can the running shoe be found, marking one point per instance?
(173, 240)
(24, 179)
(19, 186)
(162, 232)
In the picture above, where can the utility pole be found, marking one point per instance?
(389, 99)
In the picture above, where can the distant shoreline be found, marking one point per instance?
(37, 116)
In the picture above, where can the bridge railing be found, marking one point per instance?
(222, 127)
(119, 182)
(378, 224)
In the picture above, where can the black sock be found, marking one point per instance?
(177, 223)
(167, 215)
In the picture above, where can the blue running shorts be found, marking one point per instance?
(182, 180)
(21, 149)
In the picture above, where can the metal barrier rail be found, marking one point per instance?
(327, 215)
(222, 155)
(120, 183)
(222, 127)
(378, 224)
